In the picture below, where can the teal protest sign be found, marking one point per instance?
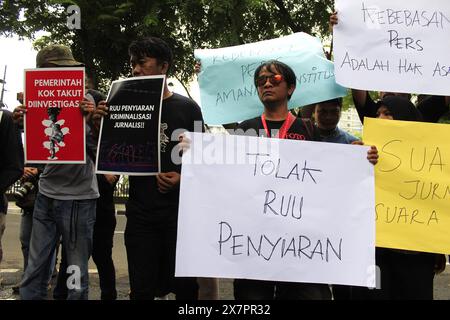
(228, 93)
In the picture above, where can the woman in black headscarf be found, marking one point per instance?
(397, 108)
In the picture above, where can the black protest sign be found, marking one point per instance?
(129, 134)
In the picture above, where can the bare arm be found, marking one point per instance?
(359, 97)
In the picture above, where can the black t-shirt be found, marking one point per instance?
(301, 129)
(178, 112)
(432, 108)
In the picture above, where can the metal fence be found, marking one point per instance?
(122, 190)
(120, 193)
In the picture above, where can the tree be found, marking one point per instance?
(108, 26)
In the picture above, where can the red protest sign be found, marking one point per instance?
(54, 125)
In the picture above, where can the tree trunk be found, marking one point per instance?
(88, 59)
(286, 16)
(184, 86)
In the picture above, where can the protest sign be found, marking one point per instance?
(54, 125)
(129, 134)
(227, 89)
(396, 46)
(276, 209)
(412, 184)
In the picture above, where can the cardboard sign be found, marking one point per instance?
(227, 87)
(412, 184)
(129, 140)
(274, 209)
(54, 125)
(394, 46)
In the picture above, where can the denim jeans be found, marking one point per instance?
(74, 221)
(26, 226)
(105, 224)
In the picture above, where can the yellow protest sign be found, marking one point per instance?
(412, 184)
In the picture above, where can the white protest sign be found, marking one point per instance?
(272, 209)
(397, 46)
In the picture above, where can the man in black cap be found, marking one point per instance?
(65, 206)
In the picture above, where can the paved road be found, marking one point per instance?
(10, 269)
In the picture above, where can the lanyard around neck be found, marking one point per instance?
(284, 128)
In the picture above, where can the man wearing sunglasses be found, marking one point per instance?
(276, 82)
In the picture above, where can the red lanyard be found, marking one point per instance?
(284, 128)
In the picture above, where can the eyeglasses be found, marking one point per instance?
(274, 79)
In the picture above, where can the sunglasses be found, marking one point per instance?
(274, 79)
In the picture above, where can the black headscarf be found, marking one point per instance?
(401, 108)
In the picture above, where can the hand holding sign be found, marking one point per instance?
(87, 108)
(167, 181)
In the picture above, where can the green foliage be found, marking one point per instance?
(445, 118)
(109, 26)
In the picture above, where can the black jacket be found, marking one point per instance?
(11, 164)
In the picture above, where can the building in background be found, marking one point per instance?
(350, 122)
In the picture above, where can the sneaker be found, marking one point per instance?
(16, 288)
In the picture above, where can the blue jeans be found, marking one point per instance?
(74, 221)
(26, 226)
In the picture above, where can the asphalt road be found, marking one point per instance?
(11, 266)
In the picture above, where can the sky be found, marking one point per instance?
(19, 55)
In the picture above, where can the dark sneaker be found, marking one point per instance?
(15, 288)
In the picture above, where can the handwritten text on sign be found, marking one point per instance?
(398, 46)
(264, 215)
(228, 92)
(412, 184)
